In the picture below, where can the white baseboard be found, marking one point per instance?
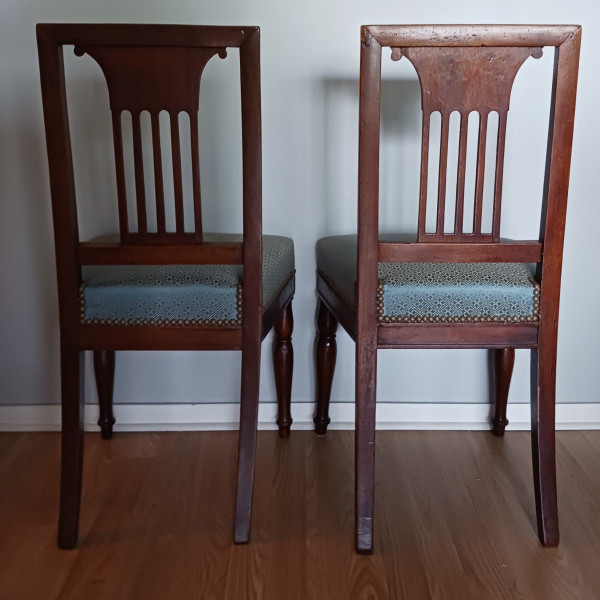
(205, 417)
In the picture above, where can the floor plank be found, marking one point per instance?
(454, 519)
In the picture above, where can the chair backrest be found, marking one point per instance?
(466, 68)
(151, 68)
(154, 79)
(463, 80)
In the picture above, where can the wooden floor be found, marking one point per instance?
(454, 519)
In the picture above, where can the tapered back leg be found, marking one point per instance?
(104, 367)
(502, 361)
(543, 390)
(72, 371)
(366, 382)
(325, 356)
(283, 366)
(247, 439)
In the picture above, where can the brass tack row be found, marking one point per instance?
(164, 322)
(533, 318)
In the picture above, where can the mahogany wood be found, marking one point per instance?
(461, 174)
(345, 315)
(502, 361)
(158, 175)
(461, 335)
(72, 404)
(154, 68)
(483, 61)
(104, 367)
(95, 253)
(154, 79)
(325, 355)
(530, 252)
(117, 34)
(283, 366)
(147, 337)
(481, 81)
(366, 338)
(469, 35)
(275, 309)
(552, 231)
(252, 293)
(120, 172)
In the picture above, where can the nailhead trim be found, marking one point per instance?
(533, 318)
(164, 322)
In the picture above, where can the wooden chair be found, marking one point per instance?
(156, 289)
(412, 294)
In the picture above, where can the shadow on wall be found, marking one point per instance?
(399, 155)
(28, 284)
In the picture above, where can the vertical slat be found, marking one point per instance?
(158, 174)
(424, 173)
(120, 170)
(177, 181)
(196, 175)
(479, 180)
(498, 175)
(462, 167)
(138, 161)
(443, 166)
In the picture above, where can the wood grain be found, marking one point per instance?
(483, 61)
(456, 519)
(154, 68)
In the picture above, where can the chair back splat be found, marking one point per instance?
(153, 79)
(464, 79)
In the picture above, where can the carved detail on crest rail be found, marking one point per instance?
(152, 78)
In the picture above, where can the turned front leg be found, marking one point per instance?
(325, 356)
(283, 365)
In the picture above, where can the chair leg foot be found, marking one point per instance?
(364, 538)
(499, 428)
(106, 430)
(321, 426)
(104, 368)
(502, 361)
(72, 372)
(325, 356)
(283, 366)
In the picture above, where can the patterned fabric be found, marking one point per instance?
(179, 294)
(435, 292)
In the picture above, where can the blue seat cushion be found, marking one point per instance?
(179, 294)
(434, 292)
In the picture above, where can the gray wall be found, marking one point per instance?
(310, 57)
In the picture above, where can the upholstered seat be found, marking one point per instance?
(179, 294)
(434, 292)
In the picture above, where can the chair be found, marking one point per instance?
(456, 289)
(155, 288)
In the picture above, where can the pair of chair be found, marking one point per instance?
(154, 289)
